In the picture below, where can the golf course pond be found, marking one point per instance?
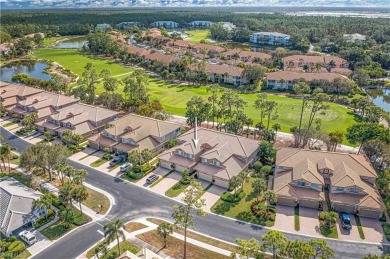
(74, 43)
(33, 69)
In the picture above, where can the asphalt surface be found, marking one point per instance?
(133, 202)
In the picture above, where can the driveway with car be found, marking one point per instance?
(348, 234)
(165, 184)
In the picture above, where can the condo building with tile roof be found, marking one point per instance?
(304, 177)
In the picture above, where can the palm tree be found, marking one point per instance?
(80, 194)
(276, 127)
(66, 194)
(270, 198)
(45, 201)
(164, 230)
(113, 230)
(5, 153)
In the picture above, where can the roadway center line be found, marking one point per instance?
(100, 232)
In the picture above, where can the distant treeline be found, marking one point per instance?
(66, 22)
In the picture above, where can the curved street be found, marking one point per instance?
(133, 202)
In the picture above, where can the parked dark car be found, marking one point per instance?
(345, 220)
(116, 160)
(152, 178)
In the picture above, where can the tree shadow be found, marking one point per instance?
(245, 216)
(224, 207)
(356, 116)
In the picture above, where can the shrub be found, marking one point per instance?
(266, 170)
(386, 230)
(257, 166)
(43, 220)
(16, 247)
(107, 157)
(259, 209)
(171, 143)
(185, 181)
(230, 197)
(322, 215)
(12, 238)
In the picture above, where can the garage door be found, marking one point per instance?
(180, 168)
(222, 183)
(286, 201)
(205, 177)
(165, 164)
(344, 208)
(369, 213)
(308, 203)
(94, 145)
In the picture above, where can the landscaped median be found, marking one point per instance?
(328, 222)
(137, 172)
(247, 206)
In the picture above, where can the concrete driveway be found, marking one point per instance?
(309, 223)
(212, 195)
(372, 229)
(87, 151)
(93, 157)
(36, 139)
(165, 184)
(285, 218)
(348, 234)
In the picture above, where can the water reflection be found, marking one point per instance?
(34, 70)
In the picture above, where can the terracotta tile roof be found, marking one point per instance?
(2, 84)
(338, 70)
(14, 90)
(307, 170)
(183, 43)
(296, 59)
(161, 58)
(291, 76)
(208, 47)
(137, 51)
(222, 69)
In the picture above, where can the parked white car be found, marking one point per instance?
(125, 166)
(28, 237)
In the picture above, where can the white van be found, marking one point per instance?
(28, 237)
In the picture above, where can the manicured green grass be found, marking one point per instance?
(329, 232)
(76, 60)
(242, 210)
(24, 255)
(198, 35)
(49, 41)
(174, 97)
(95, 199)
(9, 124)
(161, 178)
(175, 190)
(297, 225)
(56, 230)
(359, 227)
(386, 230)
(99, 162)
(124, 246)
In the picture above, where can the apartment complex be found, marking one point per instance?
(165, 24)
(285, 80)
(245, 56)
(316, 63)
(103, 27)
(214, 156)
(56, 112)
(354, 37)
(134, 132)
(123, 25)
(203, 24)
(270, 38)
(305, 177)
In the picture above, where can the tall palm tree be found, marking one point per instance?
(276, 127)
(164, 230)
(113, 230)
(45, 201)
(80, 194)
(5, 153)
(270, 198)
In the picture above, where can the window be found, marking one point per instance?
(180, 153)
(339, 189)
(354, 190)
(189, 156)
(217, 163)
(300, 183)
(204, 160)
(314, 186)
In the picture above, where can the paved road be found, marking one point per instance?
(133, 202)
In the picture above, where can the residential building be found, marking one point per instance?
(270, 38)
(285, 80)
(134, 132)
(228, 25)
(245, 56)
(81, 119)
(103, 27)
(306, 177)
(226, 74)
(11, 94)
(210, 50)
(203, 24)
(213, 156)
(354, 37)
(123, 25)
(182, 44)
(161, 58)
(137, 50)
(16, 206)
(165, 24)
(317, 64)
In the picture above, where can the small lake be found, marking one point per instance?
(74, 43)
(381, 97)
(34, 70)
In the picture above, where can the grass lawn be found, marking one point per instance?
(329, 232)
(386, 230)
(175, 247)
(174, 97)
(124, 245)
(24, 255)
(95, 199)
(91, 252)
(198, 35)
(242, 210)
(9, 124)
(15, 160)
(296, 218)
(359, 227)
(134, 226)
(99, 162)
(196, 236)
(56, 230)
(176, 189)
(49, 41)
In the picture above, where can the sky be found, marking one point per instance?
(16, 4)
